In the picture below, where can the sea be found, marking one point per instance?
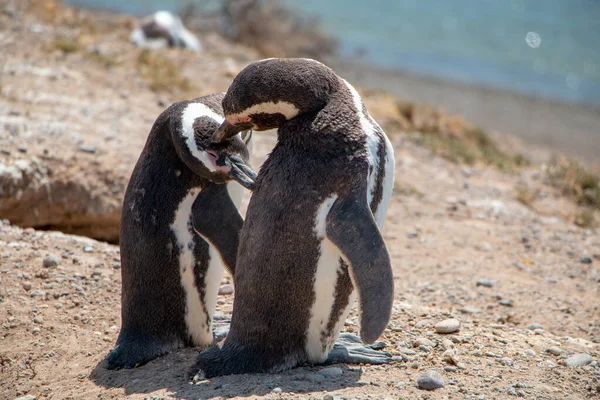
(543, 48)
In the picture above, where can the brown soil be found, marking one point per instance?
(447, 228)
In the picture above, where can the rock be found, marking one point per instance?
(578, 360)
(424, 342)
(27, 285)
(530, 353)
(38, 293)
(430, 380)
(38, 320)
(87, 149)
(449, 357)
(88, 249)
(331, 372)
(328, 397)
(28, 397)
(447, 326)
(447, 344)
(533, 327)
(50, 261)
(585, 260)
(555, 351)
(506, 303)
(36, 331)
(226, 289)
(277, 390)
(485, 283)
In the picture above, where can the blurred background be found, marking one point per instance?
(471, 56)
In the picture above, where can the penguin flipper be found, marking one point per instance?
(351, 227)
(216, 218)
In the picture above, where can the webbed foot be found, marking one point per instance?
(349, 349)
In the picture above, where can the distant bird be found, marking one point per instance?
(163, 29)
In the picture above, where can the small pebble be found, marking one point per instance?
(87, 149)
(38, 293)
(36, 330)
(555, 351)
(88, 249)
(328, 397)
(533, 327)
(226, 289)
(27, 285)
(331, 372)
(506, 303)
(430, 380)
(484, 283)
(50, 262)
(38, 320)
(277, 390)
(578, 360)
(530, 353)
(28, 397)
(447, 326)
(586, 260)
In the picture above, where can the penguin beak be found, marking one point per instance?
(239, 171)
(227, 130)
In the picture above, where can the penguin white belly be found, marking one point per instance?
(199, 324)
(318, 340)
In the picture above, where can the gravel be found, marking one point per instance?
(430, 380)
(226, 289)
(50, 262)
(578, 360)
(485, 283)
(448, 326)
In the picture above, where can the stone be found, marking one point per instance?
(28, 397)
(424, 342)
(585, 260)
(27, 285)
(485, 283)
(277, 390)
(38, 293)
(534, 326)
(430, 380)
(226, 289)
(448, 326)
(555, 351)
(50, 261)
(331, 372)
(578, 360)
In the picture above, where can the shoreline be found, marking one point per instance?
(556, 126)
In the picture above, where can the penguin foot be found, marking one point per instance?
(349, 349)
(134, 353)
(220, 333)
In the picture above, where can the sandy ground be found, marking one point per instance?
(523, 282)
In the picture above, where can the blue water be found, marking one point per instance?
(473, 41)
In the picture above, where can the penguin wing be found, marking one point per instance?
(216, 218)
(351, 227)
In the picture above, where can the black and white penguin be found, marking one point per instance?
(179, 226)
(311, 234)
(164, 29)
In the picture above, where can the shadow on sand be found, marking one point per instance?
(170, 373)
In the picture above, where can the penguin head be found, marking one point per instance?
(218, 162)
(267, 93)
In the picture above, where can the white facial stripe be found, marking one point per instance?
(195, 318)
(189, 115)
(324, 286)
(288, 110)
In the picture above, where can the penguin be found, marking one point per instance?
(311, 240)
(179, 227)
(163, 29)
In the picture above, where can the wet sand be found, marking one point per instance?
(569, 128)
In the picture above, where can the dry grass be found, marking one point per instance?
(575, 181)
(162, 74)
(526, 195)
(405, 189)
(271, 28)
(449, 136)
(66, 46)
